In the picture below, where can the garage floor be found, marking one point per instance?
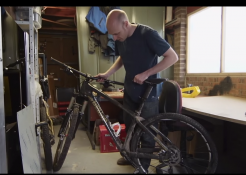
(81, 158)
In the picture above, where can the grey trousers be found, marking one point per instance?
(149, 109)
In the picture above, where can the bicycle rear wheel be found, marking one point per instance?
(45, 135)
(65, 139)
(197, 150)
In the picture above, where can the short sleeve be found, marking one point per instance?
(155, 42)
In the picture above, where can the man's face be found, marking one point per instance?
(118, 30)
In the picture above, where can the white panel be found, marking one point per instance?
(28, 141)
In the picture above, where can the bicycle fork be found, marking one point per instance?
(67, 117)
(81, 114)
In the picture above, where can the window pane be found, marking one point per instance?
(235, 39)
(204, 41)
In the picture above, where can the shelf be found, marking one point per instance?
(24, 25)
(171, 24)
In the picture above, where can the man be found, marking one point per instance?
(138, 47)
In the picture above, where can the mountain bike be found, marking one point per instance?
(166, 156)
(45, 124)
(47, 133)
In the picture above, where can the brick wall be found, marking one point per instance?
(179, 45)
(209, 85)
(236, 86)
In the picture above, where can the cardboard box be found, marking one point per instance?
(53, 109)
(96, 132)
(106, 142)
(40, 64)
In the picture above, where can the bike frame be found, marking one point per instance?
(87, 90)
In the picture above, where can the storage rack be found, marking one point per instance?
(32, 82)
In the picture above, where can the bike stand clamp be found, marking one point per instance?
(39, 124)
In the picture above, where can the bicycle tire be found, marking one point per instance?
(189, 125)
(45, 135)
(62, 150)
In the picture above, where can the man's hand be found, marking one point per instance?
(103, 77)
(139, 78)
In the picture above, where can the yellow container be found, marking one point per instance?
(195, 89)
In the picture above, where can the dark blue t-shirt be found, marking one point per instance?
(139, 53)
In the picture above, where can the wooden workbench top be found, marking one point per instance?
(228, 108)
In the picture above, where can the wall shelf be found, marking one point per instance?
(171, 24)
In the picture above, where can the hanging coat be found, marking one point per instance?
(97, 19)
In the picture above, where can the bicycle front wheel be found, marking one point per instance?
(65, 139)
(45, 135)
(192, 150)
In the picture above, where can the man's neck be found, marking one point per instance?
(132, 28)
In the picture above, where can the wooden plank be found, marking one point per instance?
(58, 28)
(60, 12)
(60, 7)
(191, 9)
(56, 22)
(10, 10)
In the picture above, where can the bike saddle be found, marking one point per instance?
(155, 80)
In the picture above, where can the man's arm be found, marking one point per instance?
(116, 66)
(170, 57)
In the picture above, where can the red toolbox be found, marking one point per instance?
(106, 142)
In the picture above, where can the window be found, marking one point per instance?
(216, 40)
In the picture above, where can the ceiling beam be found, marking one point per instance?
(59, 12)
(61, 7)
(58, 28)
(56, 22)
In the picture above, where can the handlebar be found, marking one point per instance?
(84, 74)
(15, 63)
(68, 67)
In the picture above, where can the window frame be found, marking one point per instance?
(222, 61)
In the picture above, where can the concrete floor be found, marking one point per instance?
(81, 158)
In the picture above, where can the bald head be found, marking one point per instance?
(117, 24)
(115, 17)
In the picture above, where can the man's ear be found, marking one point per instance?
(126, 23)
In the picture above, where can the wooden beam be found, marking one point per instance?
(61, 7)
(56, 22)
(58, 28)
(10, 10)
(60, 12)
